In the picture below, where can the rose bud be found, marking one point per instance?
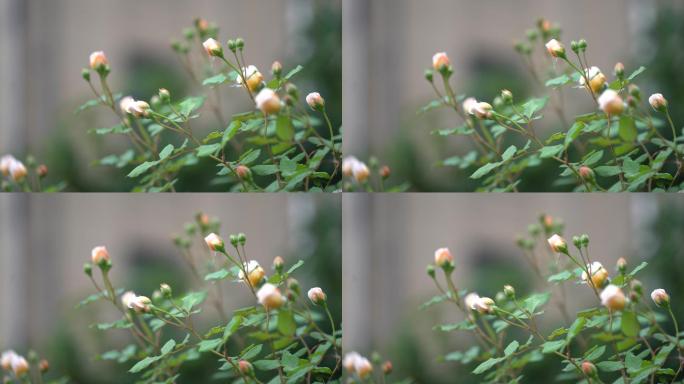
(660, 297)
(99, 255)
(254, 273)
(42, 170)
(387, 367)
(127, 298)
(315, 101)
(20, 366)
(348, 165)
(276, 68)
(140, 304)
(349, 361)
(589, 369)
(599, 275)
(212, 47)
(5, 163)
(430, 270)
(440, 61)
(252, 77)
(6, 359)
(469, 105)
(658, 102)
(278, 263)
(245, 367)
(98, 61)
(242, 171)
(269, 296)
(611, 103)
(241, 238)
(509, 291)
(201, 24)
(317, 296)
(444, 258)
(165, 290)
(385, 172)
(267, 101)
(613, 298)
(43, 366)
(555, 48)
(164, 95)
(470, 300)
(17, 171)
(484, 305)
(506, 96)
(363, 367)
(619, 70)
(596, 79)
(637, 286)
(88, 269)
(293, 285)
(85, 74)
(360, 172)
(621, 265)
(429, 75)
(482, 110)
(586, 173)
(214, 242)
(558, 244)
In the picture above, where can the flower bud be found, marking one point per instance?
(213, 47)
(88, 269)
(292, 90)
(254, 273)
(360, 172)
(585, 240)
(242, 238)
(658, 102)
(252, 77)
(85, 74)
(269, 296)
(621, 265)
(613, 298)
(558, 244)
(245, 367)
(483, 305)
(240, 43)
(599, 275)
(634, 91)
(586, 173)
(137, 108)
(660, 297)
(233, 240)
(278, 263)
(242, 171)
(188, 33)
(385, 172)
(531, 34)
(214, 242)
(43, 366)
(98, 61)
(267, 101)
(444, 259)
(276, 69)
(430, 270)
(317, 296)
(576, 241)
(363, 367)
(596, 79)
(5, 163)
(387, 367)
(440, 62)
(429, 76)
(232, 46)
(20, 366)
(315, 101)
(619, 70)
(293, 285)
(99, 256)
(165, 290)
(17, 171)
(6, 359)
(42, 170)
(139, 304)
(589, 368)
(482, 110)
(583, 44)
(555, 48)
(574, 46)
(201, 24)
(507, 96)
(348, 165)
(611, 103)
(470, 300)
(509, 291)
(164, 95)
(637, 287)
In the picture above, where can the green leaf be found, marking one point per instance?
(464, 325)
(295, 266)
(142, 168)
(485, 366)
(215, 80)
(629, 324)
(627, 130)
(551, 151)
(208, 149)
(230, 132)
(553, 346)
(638, 268)
(192, 299)
(266, 365)
(168, 347)
(166, 152)
(575, 328)
(536, 300)
(232, 327)
(511, 348)
(510, 151)
(595, 353)
(558, 81)
(574, 132)
(484, 170)
(284, 129)
(209, 345)
(609, 366)
(190, 104)
(217, 275)
(636, 73)
(632, 362)
(608, 170)
(293, 72)
(534, 105)
(286, 323)
(142, 364)
(561, 276)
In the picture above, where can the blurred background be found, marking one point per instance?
(387, 45)
(388, 240)
(45, 239)
(48, 42)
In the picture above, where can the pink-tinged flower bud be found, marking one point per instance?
(252, 77)
(363, 367)
(137, 108)
(586, 173)
(506, 96)
(267, 101)
(98, 60)
(470, 300)
(6, 359)
(5, 163)
(469, 105)
(42, 170)
(509, 291)
(596, 79)
(242, 171)
(99, 255)
(440, 61)
(276, 68)
(613, 298)
(387, 367)
(348, 165)
(315, 101)
(599, 275)
(360, 172)
(20, 366)
(214, 242)
(43, 366)
(619, 70)
(483, 305)
(555, 48)
(660, 297)
(270, 297)
(254, 273)
(317, 296)
(558, 244)
(245, 367)
(611, 103)
(444, 258)
(589, 368)
(127, 298)
(482, 110)
(349, 361)
(278, 263)
(385, 172)
(17, 171)
(621, 265)
(164, 95)
(658, 102)
(202, 24)
(213, 47)
(139, 304)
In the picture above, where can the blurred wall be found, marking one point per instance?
(45, 239)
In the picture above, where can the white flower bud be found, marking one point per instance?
(658, 102)
(483, 305)
(6, 359)
(254, 273)
(137, 108)
(660, 297)
(482, 110)
(599, 274)
(596, 79)
(363, 367)
(440, 61)
(212, 47)
(270, 297)
(127, 298)
(20, 366)
(611, 103)
(558, 244)
(267, 101)
(471, 299)
(360, 172)
(139, 303)
(316, 295)
(349, 361)
(252, 76)
(5, 164)
(348, 165)
(214, 242)
(17, 171)
(555, 48)
(98, 60)
(99, 255)
(443, 257)
(613, 298)
(315, 101)
(469, 105)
